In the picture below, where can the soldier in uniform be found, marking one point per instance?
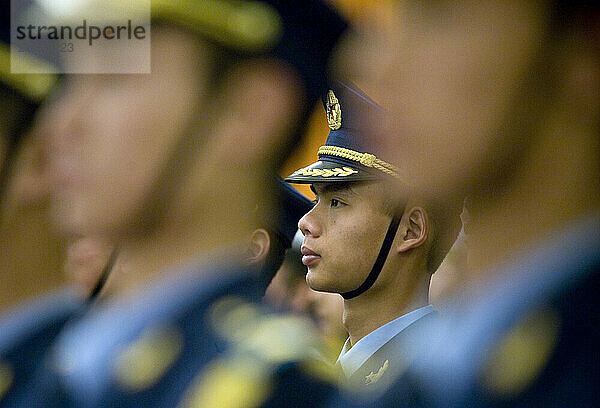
(375, 248)
(95, 268)
(500, 100)
(171, 165)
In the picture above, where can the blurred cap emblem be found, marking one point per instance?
(334, 111)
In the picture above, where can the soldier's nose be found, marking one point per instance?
(308, 226)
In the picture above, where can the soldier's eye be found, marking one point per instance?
(335, 203)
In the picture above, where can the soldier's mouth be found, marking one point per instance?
(309, 257)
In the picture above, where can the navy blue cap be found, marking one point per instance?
(348, 154)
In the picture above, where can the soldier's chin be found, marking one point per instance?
(315, 281)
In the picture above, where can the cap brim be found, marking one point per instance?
(326, 171)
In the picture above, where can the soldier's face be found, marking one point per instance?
(109, 136)
(450, 72)
(342, 235)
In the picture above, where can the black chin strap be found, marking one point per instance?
(103, 276)
(380, 261)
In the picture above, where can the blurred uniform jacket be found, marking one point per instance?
(188, 341)
(26, 335)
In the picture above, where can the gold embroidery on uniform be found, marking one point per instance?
(374, 377)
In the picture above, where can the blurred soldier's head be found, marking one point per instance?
(273, 236)
(472, 83)
(361, 236)
(195, 141)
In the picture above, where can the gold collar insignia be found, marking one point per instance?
(374, 377)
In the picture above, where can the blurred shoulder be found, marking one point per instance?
(28, 332)
(274, 361)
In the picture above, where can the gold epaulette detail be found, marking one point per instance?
(337, 172)
(366, 159)
(245, 376)
(145, 361)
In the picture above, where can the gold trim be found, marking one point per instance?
(337, 172)
(366, 159)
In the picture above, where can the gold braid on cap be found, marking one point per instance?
(366, 159)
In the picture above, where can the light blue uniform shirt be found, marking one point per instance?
(351, 359)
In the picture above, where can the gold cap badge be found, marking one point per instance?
(334, 111)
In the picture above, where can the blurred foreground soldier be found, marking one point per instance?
(364, 242)
(289, 291)
(501, 100)
(326, 309)
(448, 279)
(170, 166)
(30, 261)
(97, 268)
(89, 262)
(291, 274)
(271, 240)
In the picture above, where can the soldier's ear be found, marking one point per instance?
(258, 248)
(414, 229)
